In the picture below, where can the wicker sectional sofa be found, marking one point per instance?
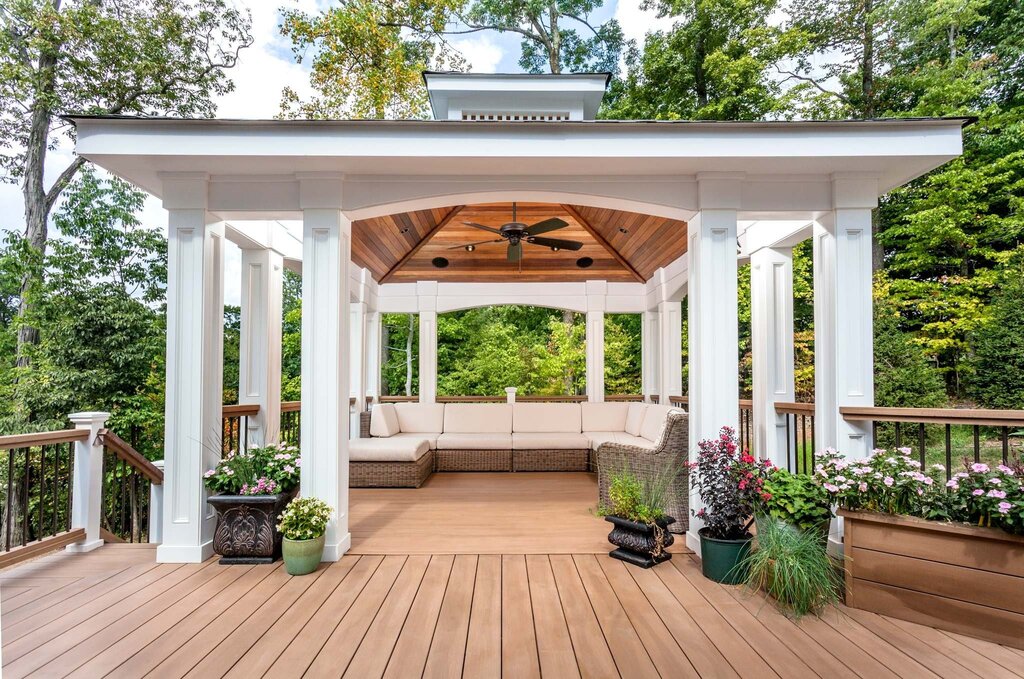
(401, 444)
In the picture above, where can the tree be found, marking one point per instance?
(712, 65)
(622, 354)
(144, 57)
(997, 361)
(369, 54)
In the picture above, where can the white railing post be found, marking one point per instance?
(156, 508)
(510, 394)
(87, 486)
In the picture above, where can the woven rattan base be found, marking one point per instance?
(391, 474)
(549, 460)
(473, 460)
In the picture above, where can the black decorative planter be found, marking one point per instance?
(247, 527)
(637, 542)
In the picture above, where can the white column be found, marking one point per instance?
(595, 356)
(357, 364)
(259, 374)
(373, 354)
(426, 292)
(156, 508)
(713, 321)
(87, 486)
(195, 364)
(670, 350)
(326, 250)
(771, 321)
(649, 353)
(843, 341)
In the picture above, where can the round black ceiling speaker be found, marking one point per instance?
(439, 262)
(584, 262)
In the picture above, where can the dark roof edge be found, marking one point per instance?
(607, 75)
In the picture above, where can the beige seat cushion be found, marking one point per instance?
(549, 440)
(604, 416)
(635, 418)
(478, 418)
(384, 420)
(420, 417)
(596, 438)
(391, 449)
(429, 436)
(654, 421)
(474, 441)
(630, 440)
(546, 417)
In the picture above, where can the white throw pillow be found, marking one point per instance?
(421, 418)
(383, 420)
(635, 418)
(604, 416)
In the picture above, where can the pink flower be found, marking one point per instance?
(977, 492)
(1004, 507)
(905, 450)
(953, 483)
(831, 488)
(979, 467)
(288, 468)
(863, 487)
(995, 481)
(1004, 469)
(996, 494)
(888, 480)
(210, 473)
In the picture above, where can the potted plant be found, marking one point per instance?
(641, 526)
(944, 555)
(303, 524)
(251, 489)
(797, 500)
(730, 483)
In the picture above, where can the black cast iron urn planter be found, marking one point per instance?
(247, 527)
(638, 542)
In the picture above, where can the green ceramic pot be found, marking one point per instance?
(720, 560)
(302, 556)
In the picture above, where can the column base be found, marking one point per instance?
(336, 551)
(184, 553)
(693, 541)
(83, 547)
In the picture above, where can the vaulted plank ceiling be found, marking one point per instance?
(624, 246)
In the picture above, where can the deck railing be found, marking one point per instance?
(235, 426)
(555, 398)
(746, 418)
(131, 508)
(799, 435)
(37, 472)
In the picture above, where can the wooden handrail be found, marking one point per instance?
(39, 547)
(241, 410)
(794, 408)
(42, 438)
(677, 400)
(291, 406)
(985, 418)
(624, 398)
(134, 458)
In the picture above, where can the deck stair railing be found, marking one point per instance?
(131, 497)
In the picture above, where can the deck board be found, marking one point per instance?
(115, 612)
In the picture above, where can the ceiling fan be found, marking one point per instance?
(516, 233)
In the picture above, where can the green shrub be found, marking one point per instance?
(904, 376)
(305, 518)
(792, 566)
(797, 500)
(639, 500)
(996, 379)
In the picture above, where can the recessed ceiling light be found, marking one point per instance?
(470, 248)
(584, 262)
(439, 262)
(404, 230)
(622, 230)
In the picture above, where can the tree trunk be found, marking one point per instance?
(555, 47)
(868, 63)
(408, 355)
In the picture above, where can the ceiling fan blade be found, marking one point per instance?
(481, 226)
(515, 252)
(556, 243)
(546, 225)
(482, 242)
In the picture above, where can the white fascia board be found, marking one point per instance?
(894, 151)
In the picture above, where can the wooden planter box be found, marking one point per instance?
(951, 576)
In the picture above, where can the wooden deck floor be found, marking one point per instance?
(115, 612)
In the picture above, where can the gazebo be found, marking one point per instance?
(663, 209)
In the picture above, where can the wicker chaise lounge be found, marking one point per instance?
(670, 452)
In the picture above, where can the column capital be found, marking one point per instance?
(185, 190)
(719, 190)
(854, 190)
(89, 419)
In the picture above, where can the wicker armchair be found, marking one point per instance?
(671, 449)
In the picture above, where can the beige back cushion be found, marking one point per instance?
(604, 416)
(635, 418)
(383, 420)
(654, 420)
(420, 418)
(546, 418)
(473, 418)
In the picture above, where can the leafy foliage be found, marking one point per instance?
(997, 365)
(305, 518)
(797, 500)
(730, 482)
(640, 500)
(792, 567)
(257, 471)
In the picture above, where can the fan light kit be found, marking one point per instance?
(515, 233)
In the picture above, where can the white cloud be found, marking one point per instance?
(637, 22)
(481, 51)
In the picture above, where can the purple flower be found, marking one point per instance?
(1004, 469)
(888, 480)
(995, 481)
(979, 468)
(831, 488)
(1004, 507)
(863, 487)
(996, 493)
(904, 450)
(977, 492)
(953, 483)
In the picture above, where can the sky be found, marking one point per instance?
(269, 65)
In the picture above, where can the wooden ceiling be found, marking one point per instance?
(624, 246)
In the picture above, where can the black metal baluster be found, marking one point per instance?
(977, 444)
(9, 524)
(921, 443)
(70, 484)
(24, 504)
(949, 454)
(789, 454)
(56, 486)
(899, 436)
(1006, 445)
(874, 434)
(42, 487)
